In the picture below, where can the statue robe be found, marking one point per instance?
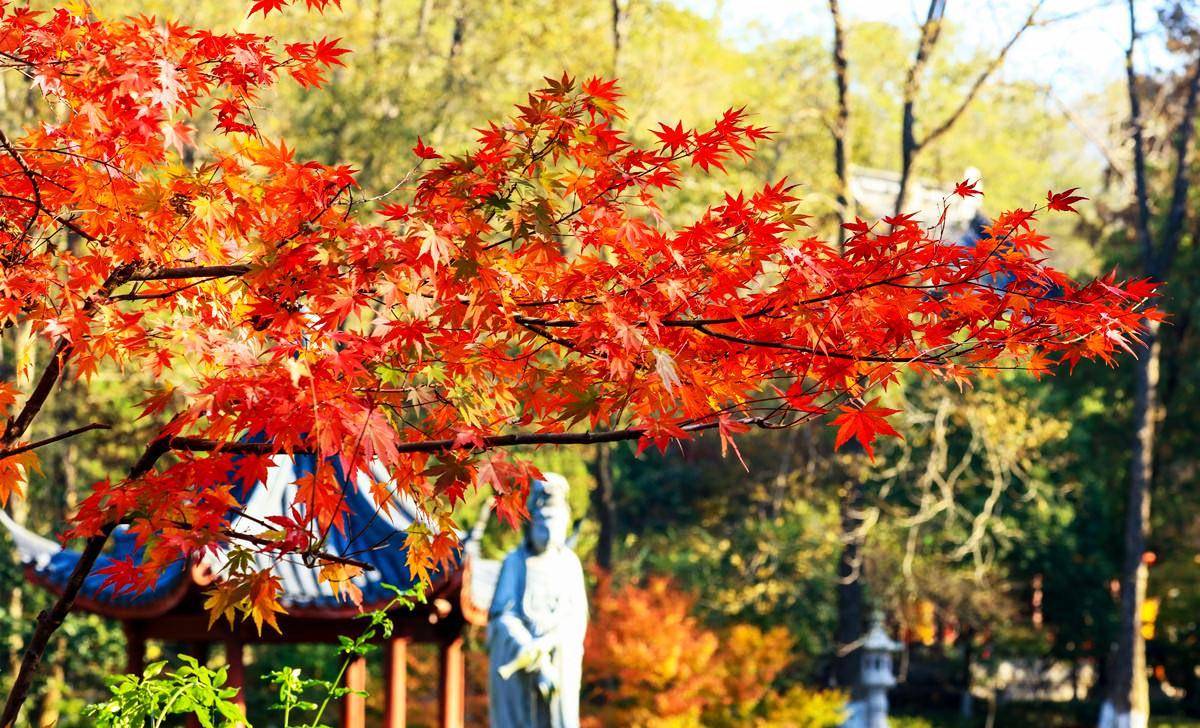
(537, 595)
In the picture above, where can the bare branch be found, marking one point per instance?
(1173, 226)
(56, 438)
(930, 30)
(982, 78)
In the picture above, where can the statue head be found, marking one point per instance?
(549, 513)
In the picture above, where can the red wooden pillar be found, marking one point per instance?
(452, 685)
(135, 648)
(354, 704)
(395, 683)
(236, 677)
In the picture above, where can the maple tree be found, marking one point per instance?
(528, 291)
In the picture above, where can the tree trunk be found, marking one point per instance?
(841, 123)
(46, 625)
(850, 597)
(604, 507)
(966, 706)
(49, 620)
(617, 29)
(1128, 702)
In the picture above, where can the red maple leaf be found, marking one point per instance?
(326, 52)
(864, 424)
(673, 138)
(967, 188)
(522, 292)
(425, 152)
(1063, 201)
(267, 6)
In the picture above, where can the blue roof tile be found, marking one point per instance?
(369, 535)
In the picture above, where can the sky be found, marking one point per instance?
(1081, 49)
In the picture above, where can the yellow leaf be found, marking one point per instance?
(223, 600)
(339, 576)
(418, 553)
(14, 473)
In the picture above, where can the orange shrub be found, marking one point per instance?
(649, 663)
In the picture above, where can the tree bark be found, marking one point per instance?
(604, 507)
(1130, 694)
(617, 30)
(850, 594)
(47, 624)
(1128, 705)
(841, 123)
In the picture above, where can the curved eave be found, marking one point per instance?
(33, 550)
(447, 590)
(161, 603)
(303, 594)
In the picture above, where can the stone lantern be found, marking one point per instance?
(871, 710)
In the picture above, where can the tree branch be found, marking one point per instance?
(1173, 226)
(25, 170)
(49, 620)
(17, 425)
(50, 440)
(313, 553)
(982, 78)
(930, 30)
(701, 325)
(199, 444)
(199, 271)
(809, 350)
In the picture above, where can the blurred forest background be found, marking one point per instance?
(991, 535)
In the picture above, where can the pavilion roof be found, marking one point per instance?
(369, 535)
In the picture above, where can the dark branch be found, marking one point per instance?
(198, 444)
(49, 620)
(50, 440)
(1173, 226)
(199, 271)
(982, 78)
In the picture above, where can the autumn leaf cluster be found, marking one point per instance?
(527, 291)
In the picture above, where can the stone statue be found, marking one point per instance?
(537, 620)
